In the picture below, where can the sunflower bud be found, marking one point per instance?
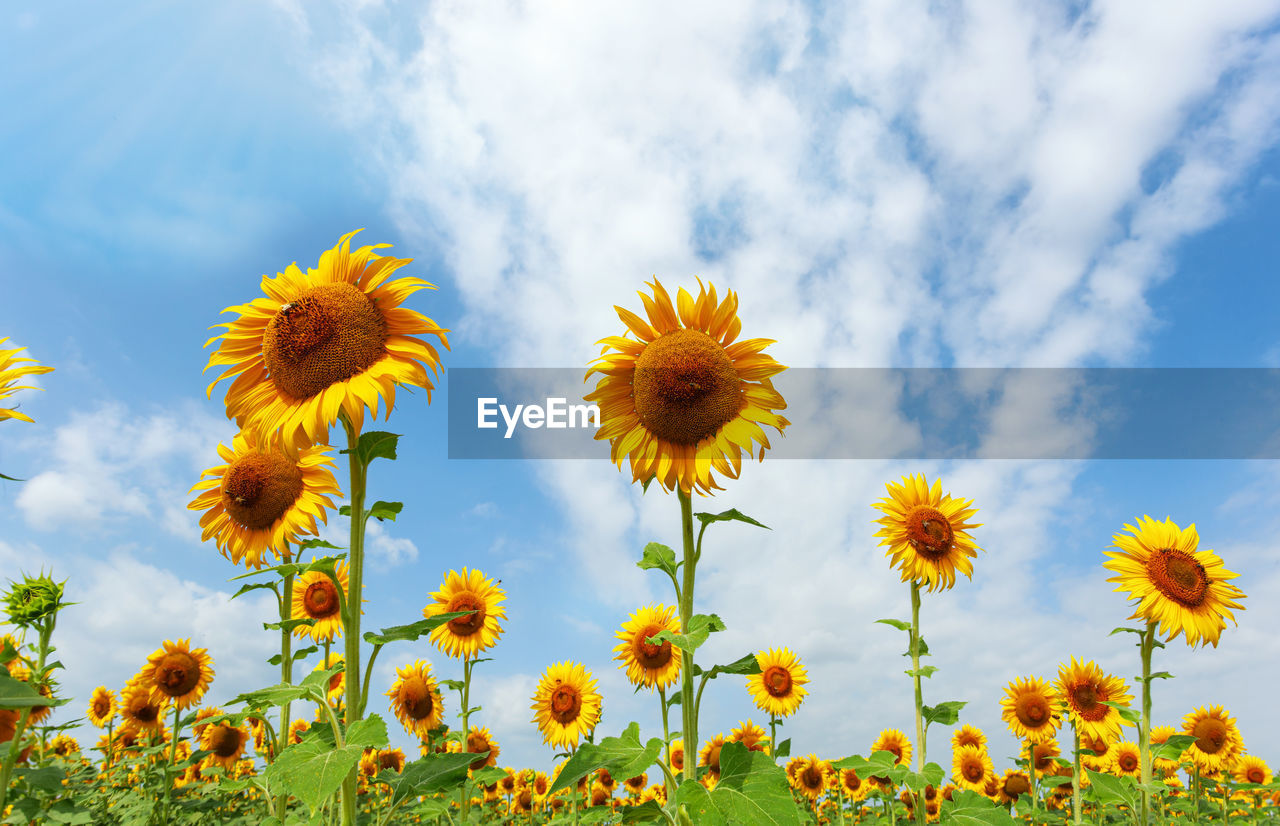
(31, 600)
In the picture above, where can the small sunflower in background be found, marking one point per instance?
(685, 397)
(1100, 759)
(968, 735)
(315, 596)
(647, 664)
(751, 736)
(709, 755)
(262, 499)
(1159, 736)
(226, 744)
(1251, 769)
(1012, 785)
(415, 699)
(1184, 590)
(566, 704)
(479, 740)
(1124, 759)
(1043, 754)
(779, 687)
(894, 741)
(1085, 689)
(141, 707)
(675, 756)
(13, 367)
(1032, 709)
(179, 673)
(338, 682)
(852, 786)
(927, 532)
(328, 341)
(971, 767)
(102, 707)
(811, 776)
(465, 637)
(1218, 742)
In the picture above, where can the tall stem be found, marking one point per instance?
(1075, 777)
(919, 808)
(351, 633)
(686, 657)
(1144, 731)
(46, 632)
(173, 758)
(773, 736)
(286, 673)
(465, 803)
(666, 744)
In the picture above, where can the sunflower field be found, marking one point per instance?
(683, 395)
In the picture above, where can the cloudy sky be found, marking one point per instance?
(885, 184)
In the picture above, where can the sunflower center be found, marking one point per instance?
(1032, 710)
(177, 674)
(1255, 774)
(973, 771)
(320, 599)
(417, 702)
(1178, 576)
(224, 741)
(146, 714)
(1211, 735)
(1086, 701)
(470, 624)
(929, 532)
(777, 681)
(1127, 761)
(565, 704)
(258, 488)
(328, 334)
(1016, 785)
(851, 781)
(648, 655)
(476, 743)
(335, 682)
(685, 387)
(101, 707)
(713, 759)
(677, 760)
(388, 760)
(812, 778)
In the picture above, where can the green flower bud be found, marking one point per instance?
(33, 599)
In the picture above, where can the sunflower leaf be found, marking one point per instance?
(925, 671)
(11, 478)
(487, 775)
(412, 631)
(312, 772)
(253, 586)
(276, 695)
(384, 510)
(317, 543)
(657, 555)
(947, 713)
(303, 653)
(623, 756)
(644, 813)
(452, 685)
(752, 791)
(1138, 631)
(700, 627)
(731, 515)
(371, 732)
(376, 444)
(1109, 789)
(1127, 713)
(746, 665)
(1159, 675)
(784, 749)
(17, 694)
(1173, 748)
(432, 774)
(896, 623)
(968, 808)
(288, 625)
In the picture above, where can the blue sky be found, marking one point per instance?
(885, 185)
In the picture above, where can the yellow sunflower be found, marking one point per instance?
(1013, 784)
(971, 767)
(415, 699)
(338, 682)
(566, 705)
(315, 596)
(1084, 688)
(262, 499)
(647, 664)
(391, 758)
(102, 707)
(751, 736)
(1184, 590)
(226, 742)
(968, 735)
(779, 687)
(1251, 769)
(478, 740)
(852, 786)
(812, 776)
(893, 740)
(1100, 760)
(685, 398)
(1044, 755)
(1032, 709)
(709, 755)
(1218, 742)
(1124, 759)
(636, 785)
(465, 637)
(12, 367)
(1159, 736)
(926, 532)
(297, 728)
(178, 673)
(675, 756)
(141, 707)
(330, 340)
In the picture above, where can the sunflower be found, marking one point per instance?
(1183, 589)
(606, 780)
(467, 636)
(1251, 769)
(893, 740)
(333, 340)
(1032, 709)
(1100, 760)
(391, 758)
(811, 776)
(1159, 736)
(315, 596)
(178, 673)
(415, 699)
(566, 704)
(647, 664)
(684, 399)
(675, 756)
(853, 786)
(261, 499)
(1044, 756)
(338, 682)
(1124, 759)
(968, 735)
(226, 742)
(102, 707)
(779, 687)
(636, 785)
(297, 728)
(926, 531)
(709, 755)
(1012, 785)
(751, 736)
(13, 366)
(1085, 689)
(478, 741)
(1218, 741)
(971, 767)
(64, 745)
(141, 707)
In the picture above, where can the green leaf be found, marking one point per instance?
(644, 813)
(657, 555)
(731, 515)
(317, 543)
(700, 627)
(745, 665)
(487, 775)
(48, 779)
(412, 631)
(623, 756)
(896, 623)
(784, 749)
(312, 772)
(752, 791)
(968, 808)
(18, 694)
(376, 444)
(11, 478)
(432, 774)
(1138, 631)
(947, 713)
(931, 775)
(925, 671)
(303, 653)
(385, 510)
(1159, 675)
(325, 564)
(1110, 790)
(1128, 714)
(1173, 748)
(253, 586)
(288, 625)
(371, 732)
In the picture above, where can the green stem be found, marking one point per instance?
(173, 758)
(358, 471)
(1195, 797)
(773, 736)
(1144, 732)
(669, 780)
(687, 703)
(465, 803)
(286, 671)
(38, 675)
(919, 808)
(1031, 776)
(368, 672)
(1075, 778)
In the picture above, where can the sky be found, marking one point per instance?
(885, 184)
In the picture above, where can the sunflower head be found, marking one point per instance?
(338, 682)
(751, 736)
(1085, 690)
(971, 767)
(415, 699)
(1184, 590)
(968, 735)
(683, 399)
(479, 741)
(675, 756)
(179, 673)
(894, 741)
(1044, 754)
(1251, 769)
(1124, 759)
(1013, 785)
(566, 705)
(779, 687)
(811, 776)
(852, 786)
(226, 744)
(1032, 709)
(465, 637)
(32, 599)
(102, 707)
(318, 597)
(709, 755)
(926, 532)
(141, 707)
(1218, 742)
(330, 341)
(12, 367)
(648, 664)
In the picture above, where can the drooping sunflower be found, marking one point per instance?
(102, 707)
(647, 664)
(1251, 769)
(13, 367)
(478, 741)
(263, 498)
(685, 397)
(330, 340)
(1085, 689)
(226, 742)
(812, 776)
(465, 637)
(566, 705)
(1183, 589)
(391, 758)
(179, 673)
(141, 707)
(971, 767)
(779, 687)
(315, 596)
(415, 699)
(1013, 784)
(675, 756)
(1218, 742)
(927, 532)
(1124, 759)
(968, 735)
(893, 740)
(751, 736)
(1032, 709)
